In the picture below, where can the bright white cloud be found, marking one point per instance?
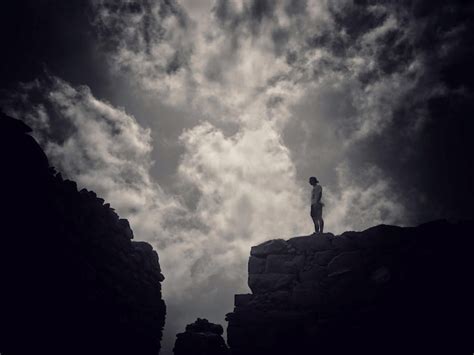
(356, 205)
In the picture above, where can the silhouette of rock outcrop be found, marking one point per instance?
(386, 290)
(201, 338)
(72, 281)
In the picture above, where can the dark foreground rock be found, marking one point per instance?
(201, 338)
(72, 280)
(386, 290)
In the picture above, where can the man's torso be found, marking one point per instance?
(315, 193)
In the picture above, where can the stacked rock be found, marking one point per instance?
(73, 281)
(360, 292)
(201, 338)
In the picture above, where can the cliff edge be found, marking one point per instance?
(72, 279)
(386, 290)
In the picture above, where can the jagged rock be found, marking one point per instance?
(346, 261)
(305, 298)
(256, 265)
(311, 243)
(242, 300)
(201, 338)
(284, 264)
(72, 281)
(384, 290)
(381, 275)
(314, 274)
(324, 257)
(276, 246)
(343, 243)
(261, 283)
(125, 226)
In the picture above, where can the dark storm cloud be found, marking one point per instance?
(149, 16)
(39, 34)
(434, 159)
(250, 17)
(397, 90)
(296, 7)
(416, 77)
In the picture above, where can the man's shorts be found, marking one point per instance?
(317, 211)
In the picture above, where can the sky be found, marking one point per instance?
(201, 121)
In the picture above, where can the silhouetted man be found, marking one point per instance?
(316, 205)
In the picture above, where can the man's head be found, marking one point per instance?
(313, 181)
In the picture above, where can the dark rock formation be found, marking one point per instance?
(386, 290)
(201, 338)
(72, 281)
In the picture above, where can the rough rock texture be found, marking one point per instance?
(201, 338)
(72, 281)
(386, 290)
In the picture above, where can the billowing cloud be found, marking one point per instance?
(150, 41)
(373, 97)
(101, 147)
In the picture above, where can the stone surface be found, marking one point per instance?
(324, 257)
(261, 283)
(305, 298)
(242, 300)
(314, 274)
(276, 246)
(284, 264)
(311, 243)
(256, 265)
(346, 261)
(343, 243)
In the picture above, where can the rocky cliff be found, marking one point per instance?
(386, 290)
(72, 279)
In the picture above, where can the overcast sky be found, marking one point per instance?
(201, 120)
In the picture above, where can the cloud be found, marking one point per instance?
(148, 40)
(245, 183)
(373, 97)
(101, 147)
(358, 204)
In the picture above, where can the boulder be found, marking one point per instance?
(311, 243)
(324, 257)
(256, 265)
(275, 246)
(346, 261)
(314, 274)
(304, 298)
(284, 264)
(262, 283)
(242, 300)
(343, 243)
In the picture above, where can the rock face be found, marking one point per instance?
(201, 338)
(72, 280)
(386, 290)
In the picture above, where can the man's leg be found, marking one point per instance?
(316, 225)
(321, 225)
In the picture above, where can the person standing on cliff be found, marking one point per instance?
(316, 205)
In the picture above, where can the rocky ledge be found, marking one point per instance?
(386, 290)
(72, 279)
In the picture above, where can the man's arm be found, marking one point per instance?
(320, 195)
